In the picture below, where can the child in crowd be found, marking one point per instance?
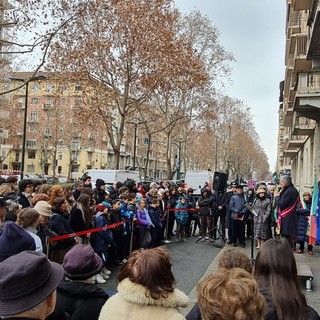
(155, 216)
(102, 240)
(144, 224)
(181, 219)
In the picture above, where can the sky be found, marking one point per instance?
(254, 31)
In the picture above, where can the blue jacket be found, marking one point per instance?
(181, 215)
(237, 204)
(303, 221)
(102, 239)
(155, 216)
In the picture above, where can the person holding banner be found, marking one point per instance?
(287, 199)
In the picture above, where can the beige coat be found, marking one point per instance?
(131, 303)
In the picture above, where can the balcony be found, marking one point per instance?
(296, 142)
(303, 126)
(300, 53)
(47, 106)
(90, 163)
(16, 146)
(313, 50)
(302, 5)
(307, 101)
(288, 115)
(33, 120)
(290, 153)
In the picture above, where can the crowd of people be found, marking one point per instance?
(133, 223)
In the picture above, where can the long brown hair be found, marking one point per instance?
(150, 268)
(276, 270)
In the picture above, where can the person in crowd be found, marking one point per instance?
(276, 274)
(36, 185)
(68, 194)
(146, 289)
(43, 229)
(13, 182)
(99, 191)
(90, 193)
(155, 216)
(39, 197)
(172, 201)
(287, 199)
(13, 206)
(228, 212)
(181, 192)
(219, 197)
(102, 240)
(87, 182)
(81, 218)
(28, 282)
(238, 212)
(206, 207)
(229, 258)
(144, 224)
(181, 217)
(59, 222)
(303, 211)
(230, 294)
(192, 215)
(261, 213)
(78, 188)
(25, 192)
(28, 219)
(272, 220)
(44, 188)
(13, 240)
(55, 191)
(78, 298)
(250, 197)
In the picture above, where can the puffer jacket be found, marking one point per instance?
(82, 301)
(303, 220)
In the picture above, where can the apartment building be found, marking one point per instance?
(59, 139)
(299, 113)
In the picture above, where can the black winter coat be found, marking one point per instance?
(206, 203)
(220, 198)
(83, 301)
(286, 199)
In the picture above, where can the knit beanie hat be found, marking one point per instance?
(13, 240)
(81, 263)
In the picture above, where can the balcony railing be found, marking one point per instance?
(308, 83)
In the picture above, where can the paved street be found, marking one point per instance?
(193, 261)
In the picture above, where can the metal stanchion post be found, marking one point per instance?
(167, 228)
(47, 244)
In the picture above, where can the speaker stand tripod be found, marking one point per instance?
(219, 232)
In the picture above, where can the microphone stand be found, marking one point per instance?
(253, 214)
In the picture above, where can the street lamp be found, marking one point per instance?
(179, 156)
(26, 81)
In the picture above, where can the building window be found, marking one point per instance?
(35, 87)
(31, 143)
(32, 127)
(60, 142)
(62, 88)
(21, 102)
(77, 102)
(78, 87)
(7, 86)
(63, 101)
(34, 100)
(59, 169)
(60, 157)
(4, 115)
(31, 168)
(49, 87)
(34, 116)
(31, 155)
(17, 156)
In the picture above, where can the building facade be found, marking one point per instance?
(299, 113)
(59, 142)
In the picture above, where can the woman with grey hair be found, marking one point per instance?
(287, 199)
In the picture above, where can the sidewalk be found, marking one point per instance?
(313, 297)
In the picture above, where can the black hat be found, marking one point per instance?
(26, 279)
(233, 184)
(100, 183)
(81, 263)
(13, 240)
(239, 186)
